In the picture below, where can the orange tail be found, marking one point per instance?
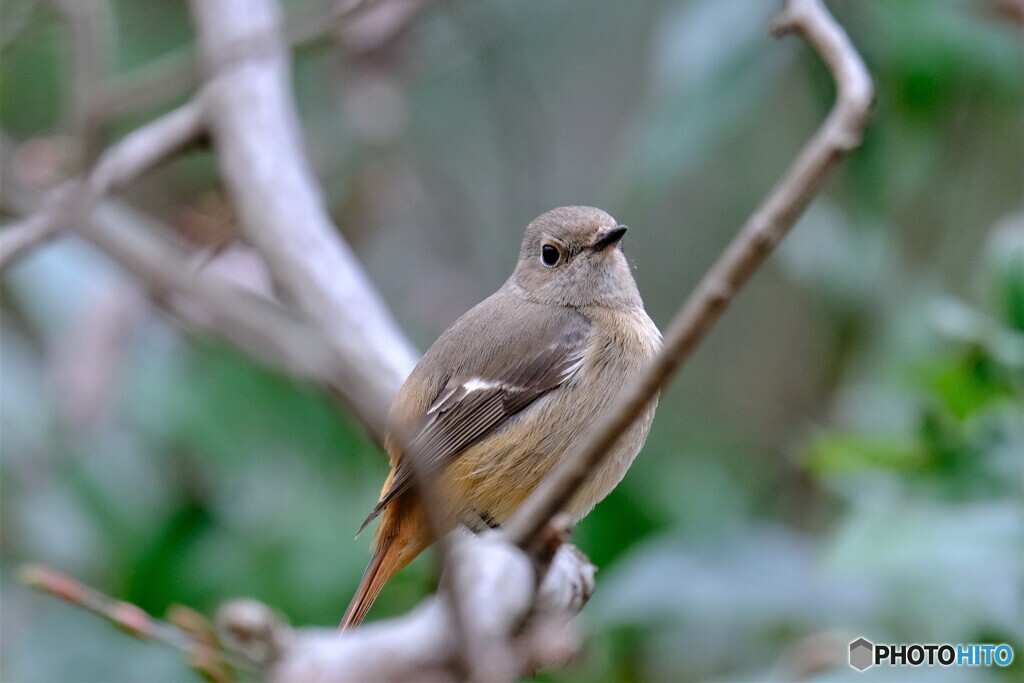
(399, 539)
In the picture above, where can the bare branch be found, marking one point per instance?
(18, 238)
(92, 43)
(176, 73)
(204, 302)
(142, 150)
(146, 249)
(134, 155)
(840, 132)
(254, 125)
(203, 654)
(500, 583)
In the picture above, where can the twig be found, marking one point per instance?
(204, 654)
(178, 72)
(253, 121)
(136, 153)
(146, 249)
(840, 132)
(91, 26)
(205, 302)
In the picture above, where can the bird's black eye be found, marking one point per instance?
(550, 255)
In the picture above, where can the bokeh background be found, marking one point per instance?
(843, 456)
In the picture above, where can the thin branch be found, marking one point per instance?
(204, 653)
(92, 43)
(142, 150)
(176, 73)
(205, 302)
(18, 238)
(840, 132)
(134, 155)
(259, 150)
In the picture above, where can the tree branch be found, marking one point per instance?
(840, 132)
(202, 301)
(509, 606)
(500, 584)
(176, 73)
(134, 155)
(92, 42)
(253, 122)
(204, 654)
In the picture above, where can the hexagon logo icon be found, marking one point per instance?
(861, 654)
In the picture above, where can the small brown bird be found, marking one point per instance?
(511, 385)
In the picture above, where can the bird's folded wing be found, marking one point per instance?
(470, 408)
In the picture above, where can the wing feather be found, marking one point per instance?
(470, 408)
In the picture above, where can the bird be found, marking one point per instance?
(505, 392)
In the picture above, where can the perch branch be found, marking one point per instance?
(254, 125)
(478, 659)
(500, 584)
(840, 132)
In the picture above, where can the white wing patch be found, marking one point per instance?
(476, 384)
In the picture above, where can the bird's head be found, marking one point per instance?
(572, 256)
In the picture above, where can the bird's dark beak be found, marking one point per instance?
(609, 238)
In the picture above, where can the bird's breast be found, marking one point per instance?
(494, 476)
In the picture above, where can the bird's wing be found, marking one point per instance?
(474, 405)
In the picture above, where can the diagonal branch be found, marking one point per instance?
(840, 132)
(201, 300)
(131, 157)
(254, 124)
(205, 655)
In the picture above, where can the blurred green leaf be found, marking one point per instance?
(32, 98)
(839, 454)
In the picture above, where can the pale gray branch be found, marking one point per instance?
(176, 73)
(203, 301)
(254, 124)
(501, 586)
(132, 156)
(840, 133)
(91, 23)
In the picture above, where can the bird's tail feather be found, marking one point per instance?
(398, 540)
(383, 565)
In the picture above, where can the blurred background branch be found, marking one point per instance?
(259, 152)
(120, 165)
